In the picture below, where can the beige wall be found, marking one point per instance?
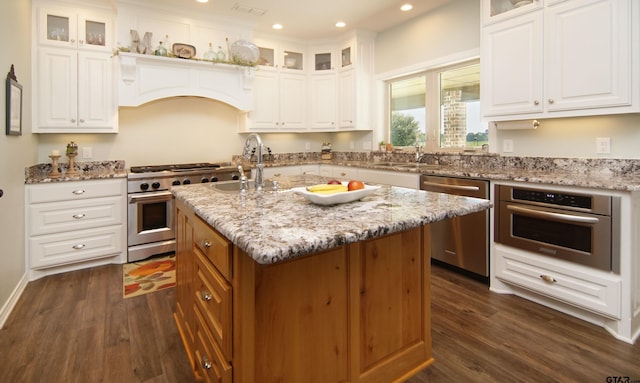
(16, 152)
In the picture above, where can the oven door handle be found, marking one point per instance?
(553, 216)
(151, 197)
(451, 187)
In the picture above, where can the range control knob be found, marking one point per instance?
(214, 179)
(144, 186)
(155, 185)
(175, 183)
(186, 182)
(204, 180)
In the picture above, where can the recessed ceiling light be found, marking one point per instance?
(406, 7)
(202, 1)
(341, 24)
(276, 26)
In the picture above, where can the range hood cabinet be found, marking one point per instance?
(144, 78)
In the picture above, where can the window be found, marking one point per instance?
(437, 109)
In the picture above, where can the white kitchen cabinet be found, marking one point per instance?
(569, 58)
(323, 106)
(282, 171)
(407, 180)
(345, 173)
(69, 225)
(282, 56)
(75, 92)
(279, 102)
(354, 99)
(500, 10)
(72, 28)
(73, 74)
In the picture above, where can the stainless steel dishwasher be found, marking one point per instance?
(461, 241)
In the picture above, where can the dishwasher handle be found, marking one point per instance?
(452, 187)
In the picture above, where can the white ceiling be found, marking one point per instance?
(307, 19)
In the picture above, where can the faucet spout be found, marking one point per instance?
(246, 153)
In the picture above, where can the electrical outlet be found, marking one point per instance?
(603, 145)
(87, 152)
(307, 145)
(507, 146)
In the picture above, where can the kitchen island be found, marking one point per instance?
(273, 288)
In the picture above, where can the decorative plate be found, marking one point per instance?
(184, 51)
(245, 52)
(336, 198)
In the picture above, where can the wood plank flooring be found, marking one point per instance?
(76, 327)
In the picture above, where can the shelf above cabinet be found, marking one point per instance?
(145, 78)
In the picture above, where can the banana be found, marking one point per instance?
(327, 189)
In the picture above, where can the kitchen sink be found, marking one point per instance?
(407, 165)
(231, 186)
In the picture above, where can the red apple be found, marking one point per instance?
(334, 182)
(355, 185)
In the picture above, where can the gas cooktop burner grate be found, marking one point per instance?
(173, 167)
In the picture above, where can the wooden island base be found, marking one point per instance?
(356, 313)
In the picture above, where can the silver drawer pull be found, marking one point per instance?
(206, 296)
(548, 278)
(78, 216)
(79, 246)
(206, 243)
(78, 192)
(206, 363)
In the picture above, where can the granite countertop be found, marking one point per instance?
(273, 226)
(91, 170)
(621, 175)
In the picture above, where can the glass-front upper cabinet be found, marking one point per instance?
(498, 10)
(68, 29)
(346, 59)
(267, 57)
(293, 60)
(323, 61)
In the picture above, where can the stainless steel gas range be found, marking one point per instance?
(150, 213)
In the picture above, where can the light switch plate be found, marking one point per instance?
(507, 146)
(603, 145)
(87, 152)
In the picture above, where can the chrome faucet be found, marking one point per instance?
(246, 153)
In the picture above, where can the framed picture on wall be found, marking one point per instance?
(14, 105)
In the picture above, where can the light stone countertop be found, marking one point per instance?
(273, 226)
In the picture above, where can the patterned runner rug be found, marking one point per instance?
(149, 275)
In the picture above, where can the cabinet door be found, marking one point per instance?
(293, 101)
(511, 66)
(500, 10)
(347, 99)
(266, 112)
(322, 101)
(57, 89)
(94, 32)
(588, 60)
(57, 27)
(95, 91)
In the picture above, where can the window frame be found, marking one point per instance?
(432, 102)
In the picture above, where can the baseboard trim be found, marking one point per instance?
(13, 299)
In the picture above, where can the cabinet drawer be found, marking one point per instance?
(64, 248)
(214, 246)
(213, 299)
(590, 290)
(65, 216)
(69, 191)
(209, 359)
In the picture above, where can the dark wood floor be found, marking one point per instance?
(76, 327)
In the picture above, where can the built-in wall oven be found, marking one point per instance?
(150, 213)
(576, 227)
(462, 242)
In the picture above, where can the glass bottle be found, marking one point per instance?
(220, 55)
(209, 55)
(167, 45)
(161, 51)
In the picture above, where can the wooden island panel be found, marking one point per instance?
(355, 313)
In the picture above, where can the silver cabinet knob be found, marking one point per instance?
(206, 363)
(79, 216)
(536, 102)
(206, 244)
(206, 296)
(78, 192)
(79, 246)
(551, 101)
(548, 278)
